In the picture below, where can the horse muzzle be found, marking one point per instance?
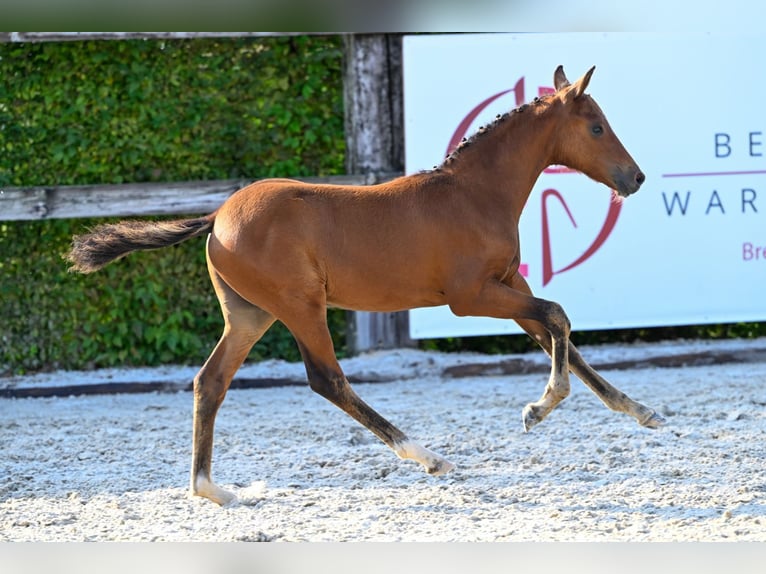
(627, 181)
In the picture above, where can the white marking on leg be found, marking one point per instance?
(433, 463)
(556, 391)
(208, 489)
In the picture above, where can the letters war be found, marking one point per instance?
(743, 201)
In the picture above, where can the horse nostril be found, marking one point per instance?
(640, 177)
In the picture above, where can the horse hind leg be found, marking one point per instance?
(244, 325)
(612, 397)
(327, 379)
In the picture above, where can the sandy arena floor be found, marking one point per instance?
(114, 467)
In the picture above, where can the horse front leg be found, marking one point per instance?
(558, 386)
(502, 301)
(611, 396)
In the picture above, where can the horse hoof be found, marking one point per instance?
(653, 421)
(440, 467)
(529, 417)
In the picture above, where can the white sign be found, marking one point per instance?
(690, 246)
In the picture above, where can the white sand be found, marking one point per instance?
(115, 467)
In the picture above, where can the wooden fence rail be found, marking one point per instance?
(137, 199)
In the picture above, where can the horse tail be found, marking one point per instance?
(110, 241)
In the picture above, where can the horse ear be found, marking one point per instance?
(582, 83)
(578, 88)
(559, 79)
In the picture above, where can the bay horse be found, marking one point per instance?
(285, 250)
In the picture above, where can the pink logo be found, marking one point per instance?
(547, 248)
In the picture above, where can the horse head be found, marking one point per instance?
(586, 142)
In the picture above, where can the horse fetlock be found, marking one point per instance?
(434, 464)
(558, 388)
(206, 488)
(653, 420)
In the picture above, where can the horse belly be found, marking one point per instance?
(388, 300)
(381, 286)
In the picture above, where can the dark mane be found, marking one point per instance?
(484, 130)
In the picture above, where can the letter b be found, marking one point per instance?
(722, 147)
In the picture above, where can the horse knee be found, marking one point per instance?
(556, 320)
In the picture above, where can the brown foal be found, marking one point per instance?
(284, 250)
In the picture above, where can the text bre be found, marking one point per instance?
(752, 252)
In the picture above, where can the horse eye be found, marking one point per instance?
(597, 130)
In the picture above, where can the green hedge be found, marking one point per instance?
(133, 111)
(118, 111)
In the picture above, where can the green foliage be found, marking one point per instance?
(117, 111)
(131, 111)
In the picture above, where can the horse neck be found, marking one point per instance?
(502, 165)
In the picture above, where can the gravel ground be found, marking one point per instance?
(114, 467)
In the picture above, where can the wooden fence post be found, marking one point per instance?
(374, 126)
